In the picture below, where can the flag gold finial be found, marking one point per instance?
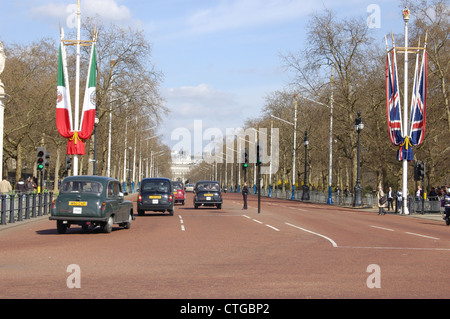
(406, 14)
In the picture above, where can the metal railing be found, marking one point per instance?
(22, 206)
(432, 205)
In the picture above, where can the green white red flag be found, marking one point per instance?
(63, 107)
(75, 145)
(88, 113)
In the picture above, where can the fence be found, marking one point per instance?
(20, 206)
(431, 205)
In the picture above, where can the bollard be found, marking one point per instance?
(11, 209)
(20, 207)
(27, 206)
(3, 210)
(33, 209)
(40, 204)
(45, 203)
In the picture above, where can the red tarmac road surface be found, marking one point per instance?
(290, 250)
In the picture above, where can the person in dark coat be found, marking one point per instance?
(21, 187)
(244, 195)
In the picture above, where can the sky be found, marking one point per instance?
(220, 58)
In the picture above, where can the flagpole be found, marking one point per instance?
(77, 86)
(406, 14)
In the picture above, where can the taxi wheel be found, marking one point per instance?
(61, 227)
(127, 224)
(107, 228)
(171, 212)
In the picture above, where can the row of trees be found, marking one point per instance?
(127, 89)
(346, 46)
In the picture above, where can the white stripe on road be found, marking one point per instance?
(259, 222)
(406, 232)
(317, 234)
(421, 235)
(181, 222)
(381, 228)
(272, 227)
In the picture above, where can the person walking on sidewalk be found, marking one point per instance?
(5, 186)
(381, 204)
(390, 199)
(244, 195)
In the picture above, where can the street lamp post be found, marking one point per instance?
(359, 125)
(305, 195)
(295, 145)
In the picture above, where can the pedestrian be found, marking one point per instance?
(419, 193)
(21, 187)
(245, 194)
(5, 186)
(381, 203)
(347, 192)
(33, 182)
(400, 201)
(433, 195)
(338, 195)
(390, 199)
(446, 204)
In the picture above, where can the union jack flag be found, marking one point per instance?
(394, 109)
(419, 102)
(394, 117)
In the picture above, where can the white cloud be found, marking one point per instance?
(107, 9)
(233, 14)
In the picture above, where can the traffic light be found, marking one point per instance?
(68, 163)
(41, 158)
(419, 170)
(245, 165)
(47, 159)
(422, 169)
(416, 171)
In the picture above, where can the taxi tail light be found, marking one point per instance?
(103, 206)
(170, 197)
(139, 198)
(53, 204)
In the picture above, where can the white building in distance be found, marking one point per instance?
(182, 163)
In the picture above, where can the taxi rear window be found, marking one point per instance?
(81, 187)
(208, 186)
(156, 186)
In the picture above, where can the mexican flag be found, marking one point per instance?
(63, 108)
(88, 113)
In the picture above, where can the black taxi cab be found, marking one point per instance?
(207, 193)
(155, 194)
(90, 201)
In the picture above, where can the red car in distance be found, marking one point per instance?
(178, 192)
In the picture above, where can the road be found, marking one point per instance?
(289, 250)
